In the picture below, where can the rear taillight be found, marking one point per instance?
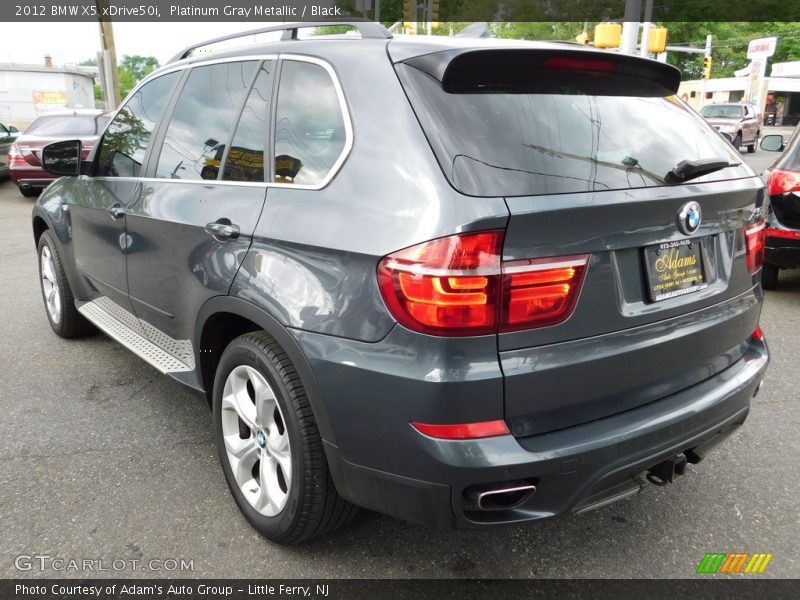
(789, 234)
(758, 333)
(458, 285)
(755, 237)
(541, 292)
(15, 155)
(448, 286)
(782, 182)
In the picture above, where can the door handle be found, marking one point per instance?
(223, 229)
(116, 211)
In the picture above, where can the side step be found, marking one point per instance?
(133, 341)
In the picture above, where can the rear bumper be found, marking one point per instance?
(783, 253)
(573, 469)
(32, 177)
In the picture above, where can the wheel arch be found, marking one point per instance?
(223, 318)
(39, 227)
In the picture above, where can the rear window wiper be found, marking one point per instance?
(690, 169)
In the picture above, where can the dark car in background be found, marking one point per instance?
(531, 291)
(783, 218)
(738, 121)
(25, 153)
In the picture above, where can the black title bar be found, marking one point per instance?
(390, 10)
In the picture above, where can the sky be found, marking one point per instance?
(70, 43)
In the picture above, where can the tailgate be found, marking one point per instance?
(620, 348)
(625, 259)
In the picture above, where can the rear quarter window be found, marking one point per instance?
(310, 129)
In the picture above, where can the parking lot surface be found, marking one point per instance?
(102, 458)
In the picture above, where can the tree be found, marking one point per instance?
(729, 45)
(133, 69)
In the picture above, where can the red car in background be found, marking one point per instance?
(24, 156)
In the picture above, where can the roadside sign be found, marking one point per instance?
(762, 47)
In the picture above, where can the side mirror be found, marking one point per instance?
(13, 129)
(772, 143)
(62, 158)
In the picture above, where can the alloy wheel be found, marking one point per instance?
(256, 440)
(52, 294)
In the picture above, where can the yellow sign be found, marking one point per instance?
(44, 100)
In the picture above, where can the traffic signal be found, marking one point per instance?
(657, 40)
(607, 35)
(706, 67)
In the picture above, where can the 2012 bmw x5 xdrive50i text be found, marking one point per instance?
(462, 282)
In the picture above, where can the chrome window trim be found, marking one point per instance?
(348, 123)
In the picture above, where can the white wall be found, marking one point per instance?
(17, 88)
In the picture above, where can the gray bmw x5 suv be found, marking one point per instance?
(461, 282)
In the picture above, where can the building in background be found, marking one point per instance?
(28, 91)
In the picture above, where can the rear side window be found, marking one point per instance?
(245, 161)
(64, 125)
(203, 120)
(531, 131)
(128, 136)
(310, 134)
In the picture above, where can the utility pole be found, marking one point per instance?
(703, 80)
(109, 57)
(648, 18)
(630, 26)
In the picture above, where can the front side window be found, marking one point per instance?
(203, 120)
(310, 130)
(128, 136)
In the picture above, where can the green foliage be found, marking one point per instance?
(729, 45)
(132, 69)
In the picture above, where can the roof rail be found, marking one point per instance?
(368, 30)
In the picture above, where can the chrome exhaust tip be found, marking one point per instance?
(500, 497)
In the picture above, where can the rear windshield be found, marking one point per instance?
(67, 125)
(572, 132)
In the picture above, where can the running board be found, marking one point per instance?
(133, 341)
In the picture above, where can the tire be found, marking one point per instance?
(737, 141)
(30, 192)
(752, 147)
(769, 276)
(59, 304)
(266, 432)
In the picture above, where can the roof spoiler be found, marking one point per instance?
(452, 67)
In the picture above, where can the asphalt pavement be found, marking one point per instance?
(104, 459)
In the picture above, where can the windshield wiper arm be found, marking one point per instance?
(690, 169)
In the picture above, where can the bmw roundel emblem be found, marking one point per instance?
(689, 217)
